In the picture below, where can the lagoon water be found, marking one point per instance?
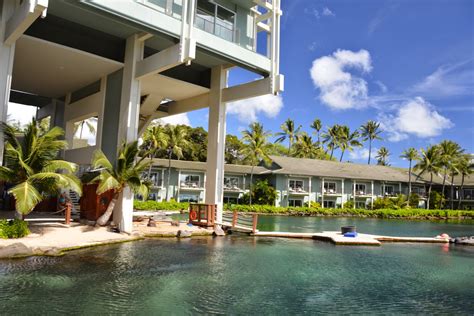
(244, 275)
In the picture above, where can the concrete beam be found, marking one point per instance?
(22, 19)
(191, 104)
(161, 61)
(248, 90)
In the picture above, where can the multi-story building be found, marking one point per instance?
(121, 64)
(301, 181)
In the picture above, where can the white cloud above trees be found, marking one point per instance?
(248, 110)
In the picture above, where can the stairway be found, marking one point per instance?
(76, 207)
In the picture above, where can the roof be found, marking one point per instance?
(201, 166)
(334, 169)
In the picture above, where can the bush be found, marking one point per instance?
(436, 200)
(154, 205)
(312, 204)
(383, 203)
(414, 200)
(262, 194)
(349, 204)
(16, 228)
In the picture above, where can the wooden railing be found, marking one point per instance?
(240, 221)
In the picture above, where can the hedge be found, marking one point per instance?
(16, 228)
(413, 213)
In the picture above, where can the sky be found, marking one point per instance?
(406, 64)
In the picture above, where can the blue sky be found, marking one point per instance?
(406, 64)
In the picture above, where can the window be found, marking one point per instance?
(388, 190)
(360, 205)
(215, 19)
(418, 190)
(230, 200)
(296, 185)
(190, 180)
(85, 132)
(192, 198)
(360, 189)
(155, 179)
(169, 7)
(329, 187)
(468, 194)
(231, 183)
(329, 204)
(295, 202)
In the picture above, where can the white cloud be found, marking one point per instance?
(312, 11)
(312, 47)
(382, 86)
(21, 113)
(339, 88)
(327, 12)
(361, 153)
(248, 110)
(415, 117)
(448, 81)
(178, 119)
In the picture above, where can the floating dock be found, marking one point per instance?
(361, 239)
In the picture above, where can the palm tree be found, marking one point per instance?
(410, 154)
(370, 131)
(126, 173)
(449, 151)
(32, 166)
(256, 148)
(288, 131)
(305, 148)
(317, 126)
(429, 162)
(330, 138)
(346, 139)
(465, 168)
(382, 156)
(90, 122)
(154, 139)
(177, 143)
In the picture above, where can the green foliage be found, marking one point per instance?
(16, 228)
(414, 200)
(262, 194)
(383, 203)
(312, 204)
(436, 200)
(349, 204)
(31, 165)
(154, 205)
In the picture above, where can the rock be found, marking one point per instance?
(218, 231)
(175, 223)
(16, 250)
(183, 234)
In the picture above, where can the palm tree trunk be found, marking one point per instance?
(149, 167)
(409, 178)
(370, 150)
(342, 154)
(332, 151)
(444, 182)
(102, 220)
(429, 192)
(169, 175)
(452, 190)
(250, 186)
(461, 192)
(82, 128)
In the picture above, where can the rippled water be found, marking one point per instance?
(244, 275)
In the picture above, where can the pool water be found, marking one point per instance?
(238, 274)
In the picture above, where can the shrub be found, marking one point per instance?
(262, 194)
(154, 205)
(436, 200)
(16, 228)
(414, 200)
(312, 204)
(383, 203)
(349, 204)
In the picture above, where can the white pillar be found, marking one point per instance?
(128, 123)
(322, 192)
(372, 194)
(354, 194)
(343, 195)
(7, 53)
(216, 141)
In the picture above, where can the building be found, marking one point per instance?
(301, 181)
(121, 64)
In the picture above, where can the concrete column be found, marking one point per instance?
(354, 194)
(7, 53)
(343, 193)
(128, 123)
(216, 141)
(322, 192)
(372, 194)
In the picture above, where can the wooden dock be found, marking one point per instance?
(361, 239)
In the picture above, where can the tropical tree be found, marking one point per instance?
(289, 131)
(347, 140)
(465, 168)
(90, 122)
(305, 148)
(449, 152)
(256, 148)
(317, 126)
(382, 156)
(410, 154)
(33, 167)
(177, 143)
(370, 132)
(330, 138)
(155, 138)
(429, 162)
(126, 173)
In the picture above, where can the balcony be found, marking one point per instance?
(332, 192)
(191, 185)
(363, 194)
(298, 190)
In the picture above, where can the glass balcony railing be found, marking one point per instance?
(298, 190)
(191, 184)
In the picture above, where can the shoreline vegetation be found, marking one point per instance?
(402, 213)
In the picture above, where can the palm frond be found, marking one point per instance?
(26, 197)
(107, 182)
(100, 160)
(56, 165)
